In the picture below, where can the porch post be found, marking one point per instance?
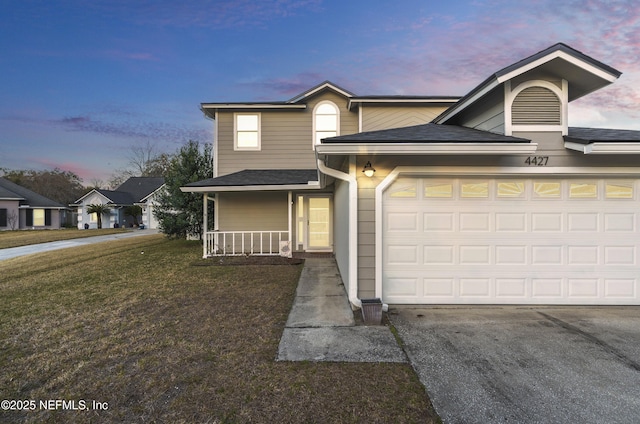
(205, 223)
(289, 207)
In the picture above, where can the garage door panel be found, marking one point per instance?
(621, 255)
(402, 255)
(547, 222)
(402, 221)
(511, 222)
(623, 288)
(511, 288)
(511, 255)
(439, 222)
(535, 247)
(439, 255)
(614, 222)
(475, 222)
(439, 287)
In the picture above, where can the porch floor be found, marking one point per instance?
(321, 324)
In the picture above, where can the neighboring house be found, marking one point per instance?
(140, 191)
(21, 209)
(487, 199)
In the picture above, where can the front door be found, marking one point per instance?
(314, 218)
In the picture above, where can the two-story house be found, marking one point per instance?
(486, 199)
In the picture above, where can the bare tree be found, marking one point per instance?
(141, 156)
(12, 220)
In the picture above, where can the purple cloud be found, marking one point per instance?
(157, 131)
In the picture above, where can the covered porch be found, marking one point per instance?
(264, 212)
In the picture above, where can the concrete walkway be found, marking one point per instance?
(321, 325)
(15, 252)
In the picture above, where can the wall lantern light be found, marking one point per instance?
(368, 170)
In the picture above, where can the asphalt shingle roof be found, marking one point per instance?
(131, 191)
(601, 135)
(258, 177)
(10, 190)
(426, 133)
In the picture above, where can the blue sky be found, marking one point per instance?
(81, 81)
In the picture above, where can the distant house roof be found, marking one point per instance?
(12, 191)
(426, 133)
(132, 191)
(140, 187)
(259, 179)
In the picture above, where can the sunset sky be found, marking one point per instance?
(82, 81)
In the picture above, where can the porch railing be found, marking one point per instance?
(236, 243)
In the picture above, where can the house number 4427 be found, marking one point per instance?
(537, 160)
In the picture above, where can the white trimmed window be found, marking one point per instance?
(246, 131)
(326, 121)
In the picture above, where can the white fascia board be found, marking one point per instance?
(604, 148)
(373, 100)
(145, 198)
(318, 88)
(312, 185)
(252, 106)
(427, 148)
(513, 171)
(468, 102)
(562, 55)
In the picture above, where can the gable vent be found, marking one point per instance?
(536, 106)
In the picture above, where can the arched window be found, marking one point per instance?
(326, 121)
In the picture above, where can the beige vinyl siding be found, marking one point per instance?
(253, 211)
(381, 118)
(341, 229)
(286, 138)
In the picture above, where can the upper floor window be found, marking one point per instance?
(326, 121)
(246, 132)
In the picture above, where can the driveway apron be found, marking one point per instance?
(526, 364)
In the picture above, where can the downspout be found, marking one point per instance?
(353, 228)
(205, 223)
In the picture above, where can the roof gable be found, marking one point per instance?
(326, 85)
(583, 73)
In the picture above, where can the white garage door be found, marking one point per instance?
(511, 241)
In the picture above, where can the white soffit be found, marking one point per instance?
(561, 55)
(604, 148)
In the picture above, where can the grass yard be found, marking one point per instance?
(26, 237)
(160, 337)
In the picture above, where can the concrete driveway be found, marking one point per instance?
(526, 364)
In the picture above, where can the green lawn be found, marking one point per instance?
(26, 237)
(147, 328)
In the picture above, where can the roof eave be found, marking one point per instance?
(431, 101)
(484, 148)
(311, 185)
(611, 148)
(210, 109)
